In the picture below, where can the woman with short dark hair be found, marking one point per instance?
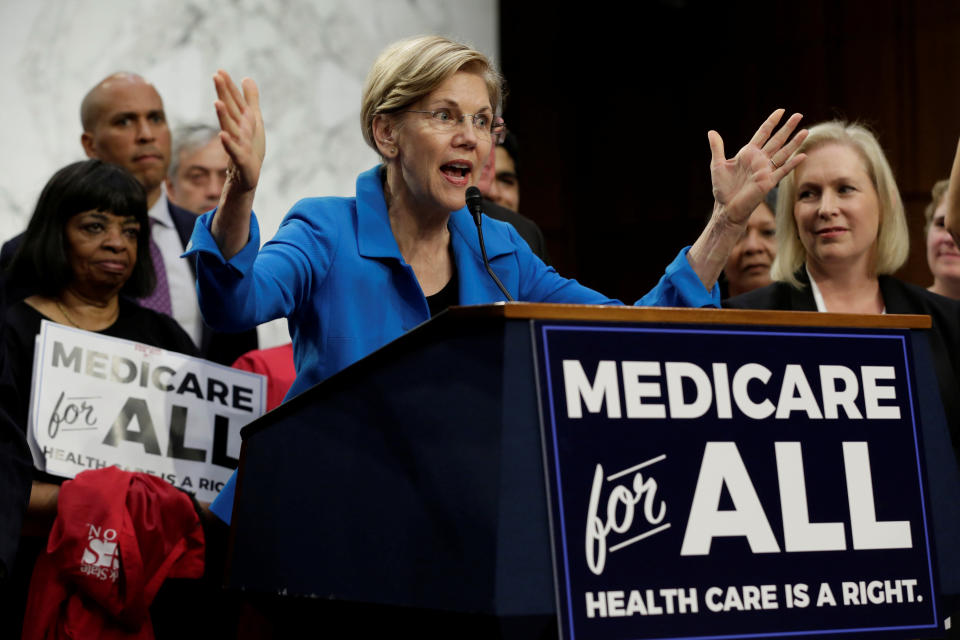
(86, 248)
(83, 186)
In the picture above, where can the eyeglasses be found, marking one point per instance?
(483, 123)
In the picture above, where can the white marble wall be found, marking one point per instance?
(309, 57)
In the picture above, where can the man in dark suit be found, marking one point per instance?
(500, 185)
(124, 124)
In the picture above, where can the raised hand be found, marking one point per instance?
(241, 130)
(740, 183)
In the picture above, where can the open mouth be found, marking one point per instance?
(456, 170)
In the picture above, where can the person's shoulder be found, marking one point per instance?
(915, 291)
(183, 221)
(315, 222)
(502, 225)
(21, 324)
(152, 327)
(518, 220)
(772, 296)
(499, 237)
(20, 314)
(179, 213)
(526, 228)
(9, 249)
(20, 309)
(321, 210)
(904, 297)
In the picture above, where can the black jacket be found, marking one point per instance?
(898, 297)
(526, 227)
(16, 467)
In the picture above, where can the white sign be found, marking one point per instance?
(99, 401)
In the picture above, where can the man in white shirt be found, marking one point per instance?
(124, 124)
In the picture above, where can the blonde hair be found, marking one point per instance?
(410, 69)
(893, 239)
(936, 197)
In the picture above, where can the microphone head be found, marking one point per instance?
(474, 199)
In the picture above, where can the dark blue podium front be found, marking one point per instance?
(414, 479)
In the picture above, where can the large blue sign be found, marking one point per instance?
(726, 483)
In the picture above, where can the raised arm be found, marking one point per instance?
(241, 132)
(739, 185)
(952, 199)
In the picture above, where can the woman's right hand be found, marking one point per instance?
(241, 130)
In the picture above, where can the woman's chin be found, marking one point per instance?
(106, 286)
(947, 279)
(759, 281)
(946, 267)
(838, 258)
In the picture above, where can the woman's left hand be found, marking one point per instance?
(739, 184)
(241, 129)
(241, 132)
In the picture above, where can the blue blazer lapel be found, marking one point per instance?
(375, 240)
(374, 236)
(476, 285)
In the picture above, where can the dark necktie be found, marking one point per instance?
(159, 300)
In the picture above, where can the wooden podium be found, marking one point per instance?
(408, 494)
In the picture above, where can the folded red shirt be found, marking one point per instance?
(117, 537)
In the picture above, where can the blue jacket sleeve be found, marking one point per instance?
(259, 284)
(680, 286)
(222, 505)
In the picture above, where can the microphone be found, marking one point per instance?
(475, 205)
